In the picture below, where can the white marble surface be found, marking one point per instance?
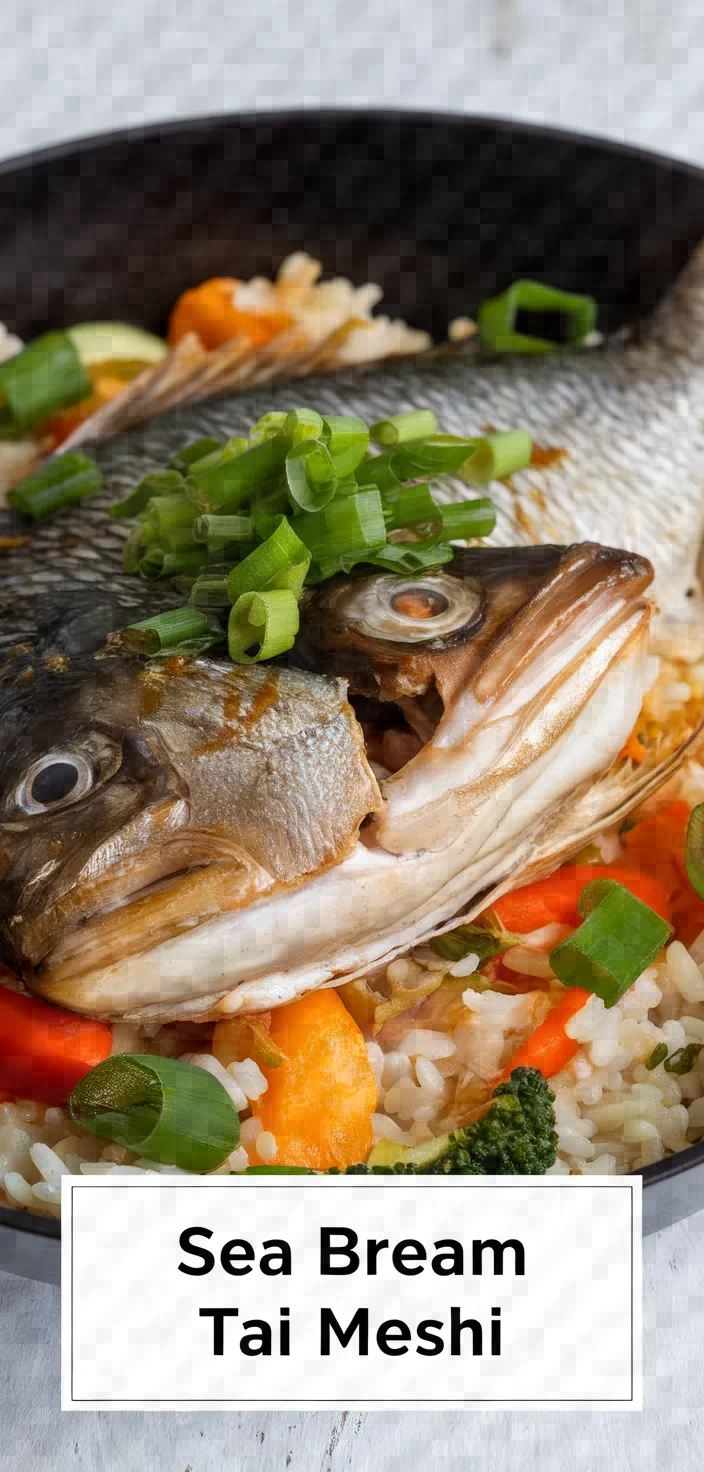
(628, 69)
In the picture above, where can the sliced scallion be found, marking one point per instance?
(497, 455)
(229, 485)
(220, 529)
(303, 424)
(620, 936)
(267, 427)
(311, 476)
(378, 470)
(164, 1109)
(347, 439)
(191, 454)
(410, 506)
(350, 525)
(683, 1059)
(158, 563)
(482, 941)
(657, 1056)
(157, 483)
(279, 562)
(46, 376)
(440, 454)
(262, 625)
(416, 424)
(61, 482)
(173, 518)
(411, 556)
(467, 519)
(209, 591)
(167, 630)
(496, 317)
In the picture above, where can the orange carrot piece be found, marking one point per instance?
(549, 1048)
(657, 845)
(209, 311)
(321, 1098)
(554, 900)
(44, 1051)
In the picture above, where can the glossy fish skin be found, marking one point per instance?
(628, 416)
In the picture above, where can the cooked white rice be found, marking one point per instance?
(613, 1115)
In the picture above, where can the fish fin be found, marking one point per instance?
(677, 325)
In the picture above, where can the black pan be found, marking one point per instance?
(441, 211)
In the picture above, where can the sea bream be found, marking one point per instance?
(189, 838)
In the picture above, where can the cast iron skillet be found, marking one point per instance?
(441, 211)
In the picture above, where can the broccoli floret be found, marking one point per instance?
(516, 1137)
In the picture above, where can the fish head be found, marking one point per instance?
(139, 799)
(475, 673)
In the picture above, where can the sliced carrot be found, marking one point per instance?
(44, 1051)
(549, 1048)
(209, 311)
(657, 845)
(320, 1100)
(554, 900)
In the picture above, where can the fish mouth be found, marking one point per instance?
(123, 911)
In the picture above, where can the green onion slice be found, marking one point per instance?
(497, 455)
(262, 625)
(349, 525)
(156, 483)
(439, 454)
(220, 529)
(467, 519)
(192, 453)
(695, 850)
(483, 941)
(165, 1110)
(229, 484)
(311, 476)
(160, 563)
(268, 506)
(303, 424)
(378, 470)
(619, 938)
(61, 482)
(280, 562)
(166, 631)
(683, 1059)
(347, 439)
(410, 506)
(267, 427)
(658, 1055)
(496, 317)
(209, 591)
(411, 556)
(46, 376)
(173, 518)
(414, 425)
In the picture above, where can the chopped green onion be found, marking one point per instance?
(230, 484)
(658, 1055)
(408, 506)
(311, 476)
(303, 424)
(156, 563)
(350, 525)
(683, 1059)
(279, 562)
(695, 850)
(191, 454)
(497, 455)
(347, 440)
(166, 630)
(467, 519)
(209, 591)
(496, 317)
(268, 506)
(267, 427)
(619, 938)
(378, 470)
(61, 482)
(262, 625)
(483, 941)
(221, 529)
(46, 376)
(164, 1109)
(173, 518)
(414, 425)
(411, 556)
(156, 483)
(441, 454)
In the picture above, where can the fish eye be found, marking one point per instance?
(55, 780)
(411, 610)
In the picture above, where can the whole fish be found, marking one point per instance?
(192, 838)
